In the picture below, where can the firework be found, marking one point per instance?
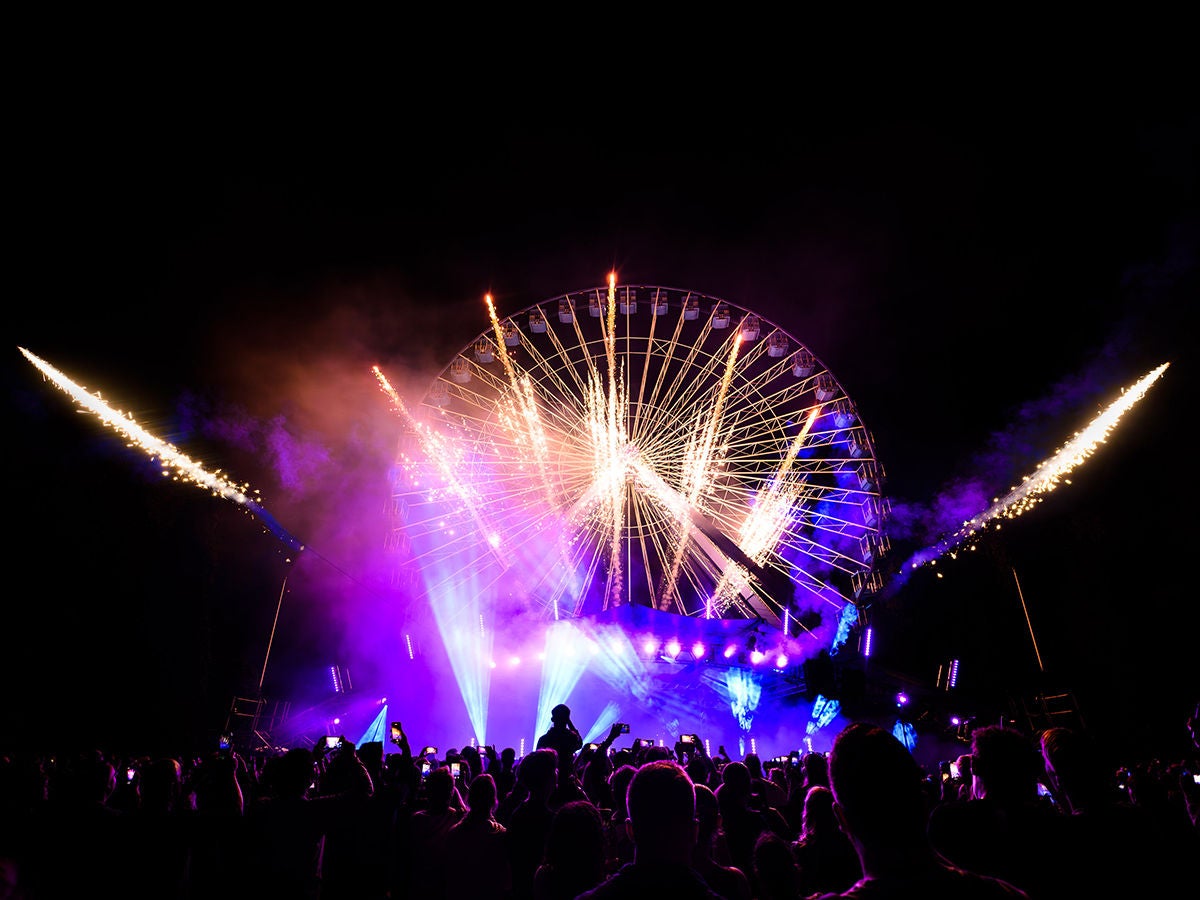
(1048, 474)
(175, 464)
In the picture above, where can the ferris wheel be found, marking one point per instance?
(641, 445)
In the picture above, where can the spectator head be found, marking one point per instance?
(878, 788)
(658, 752)
(393, 766)
(371, 753)
(1073, 766)
(816, 769)
(481, 796)
(538, 772)
(161, 784)
(818, 816)
(576, 837)
(708, 814)
(1003, 763)
(292, 773)
(87, 779)
(561, 714)
(699, 769)
(775, 868)
(596, 776)
(736, 783)
(439, 788)
(474, 760)
(619, 782)
(661, 809)
(753, 762)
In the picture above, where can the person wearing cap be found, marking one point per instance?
(563, 737)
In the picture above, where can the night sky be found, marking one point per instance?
(982, 284)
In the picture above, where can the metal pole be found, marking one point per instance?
(1028, 623)
(271, 640)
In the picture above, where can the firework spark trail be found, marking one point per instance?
(526, 401)
(443, 457)
(697, 471)
(185, 469)
(769, 516)
(1048, 474)
(612, 443)
(530, 428)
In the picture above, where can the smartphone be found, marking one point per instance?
(643, 742)
(332, 741)
(954, 770)
(794, 760)
(130, 773)
(425, 769)
(1196, 779)
(223, 742)
(624, 728)
(455, 769)
(592, 747)
(396, 731)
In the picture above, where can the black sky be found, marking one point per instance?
(982, 282)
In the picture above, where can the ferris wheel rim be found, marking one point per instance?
(483, 355)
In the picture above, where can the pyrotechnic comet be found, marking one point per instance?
(174, 463)
(443, 456)
(1048, 474)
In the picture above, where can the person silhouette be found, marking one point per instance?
(476, 847)
(1003, 827)
(662, 824)
(530, 822)
(728, 881)
(823, 853)
(1188, 786)
(574, 860)
(563, 737)
(880, 800)
(1113, 846)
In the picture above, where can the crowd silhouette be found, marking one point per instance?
(1018, 815)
